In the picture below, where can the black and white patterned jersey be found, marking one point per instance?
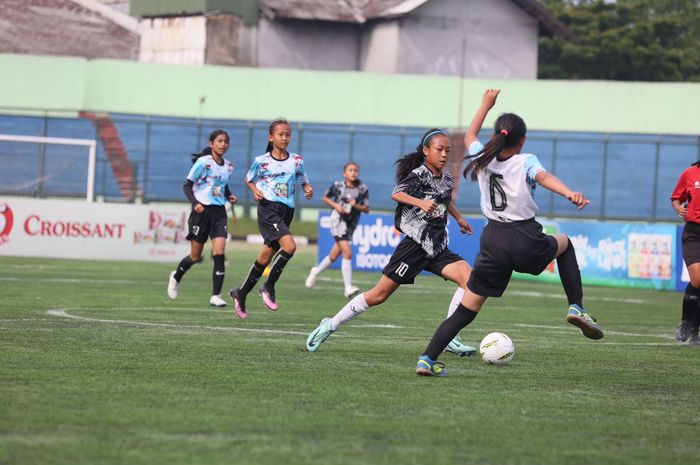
(427, 229)
(342, 225)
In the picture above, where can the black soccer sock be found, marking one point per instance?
(570, 275)
(218, 273)
(448, 330)
(277, 267)
(256, 270)
(691, 300)
(182, 268)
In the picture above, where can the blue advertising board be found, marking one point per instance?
(609, 254)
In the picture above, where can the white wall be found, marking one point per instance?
(499, 39)
(307, 45)
(180, 40)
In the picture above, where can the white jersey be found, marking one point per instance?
(508, 187)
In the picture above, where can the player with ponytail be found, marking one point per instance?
(424, 198)
(512, 240)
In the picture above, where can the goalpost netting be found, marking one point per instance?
(47, 166)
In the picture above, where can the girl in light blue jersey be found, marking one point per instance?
(272, 179)
(207, 190)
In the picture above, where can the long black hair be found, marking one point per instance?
(508, 132)
(413, 160)
(207, 150)
(275, 123)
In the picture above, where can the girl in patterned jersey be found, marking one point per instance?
(207, 190)
(686, 202)
(512, 240)
(424, 197)
(348, 199)
(272, 179)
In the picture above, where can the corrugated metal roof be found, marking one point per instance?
(360, 11)
(63, 27)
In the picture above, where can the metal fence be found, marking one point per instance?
(626, 176)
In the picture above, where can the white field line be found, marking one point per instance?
(534, 294)
(64, 314)
(553, 330)
(412, 289)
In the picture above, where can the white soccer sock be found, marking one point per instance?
(456, 299)
(325, 263)
(351, 310)
(346, 270)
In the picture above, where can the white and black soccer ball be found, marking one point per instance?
(497, 349)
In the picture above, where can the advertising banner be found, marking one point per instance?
(97, 231)
(375, 239)
(619, 254)
(609, 254)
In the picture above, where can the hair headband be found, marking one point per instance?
(431, 134)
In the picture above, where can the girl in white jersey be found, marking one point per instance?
(512, 240)
(207, 190)
(272, 179)
(424, 197)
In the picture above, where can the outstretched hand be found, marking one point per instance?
(578, 199)
(465, 227)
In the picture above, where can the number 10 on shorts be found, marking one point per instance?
(402, 269)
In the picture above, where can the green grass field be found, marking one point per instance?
(98, 366)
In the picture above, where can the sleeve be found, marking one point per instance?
(252, 173)
(332, 193)
(475, 147)
(196, 171)
(410, 185)
(301, 177)
(532, 167)
(680, 192)
(189, 193)
(364, 196)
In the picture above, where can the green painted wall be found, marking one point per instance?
(248, 9)
(341, 97)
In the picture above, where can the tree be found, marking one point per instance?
(626, 40)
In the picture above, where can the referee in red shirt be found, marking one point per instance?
(686, 201)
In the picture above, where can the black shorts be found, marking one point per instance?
(521, 246)
(212, 222)
(274, 219)
(409, 259)
(690, 240)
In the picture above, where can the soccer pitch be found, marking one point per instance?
(100, 367)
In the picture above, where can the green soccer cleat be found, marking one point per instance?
(428, 367)
(457, 347)
(318, 335)
(584, 322)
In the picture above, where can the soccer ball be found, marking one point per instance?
(496, 349)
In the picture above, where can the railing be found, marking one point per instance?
(627, 176)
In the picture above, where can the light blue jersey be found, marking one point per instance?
(210, 180)
(276, 179)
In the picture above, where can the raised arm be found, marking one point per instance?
(487, 102)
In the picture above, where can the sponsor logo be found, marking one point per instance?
(378, 234)
(35, 226)
(6, 220)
